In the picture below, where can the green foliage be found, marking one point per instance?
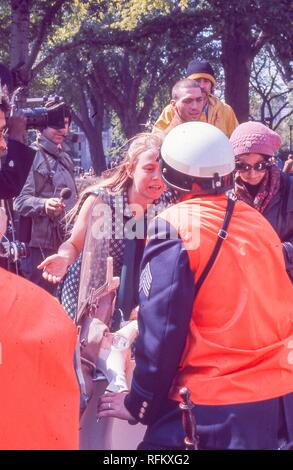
(5, 21)
(128, 14)
(125, 55)
(74, 14)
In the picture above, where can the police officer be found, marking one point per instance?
(230, 342)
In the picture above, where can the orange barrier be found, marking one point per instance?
(39, 393)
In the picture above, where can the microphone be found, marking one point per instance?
(65, 193)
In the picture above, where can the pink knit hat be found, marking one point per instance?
(254, 137)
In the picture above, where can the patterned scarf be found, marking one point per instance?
(56, 151)
(269, 186)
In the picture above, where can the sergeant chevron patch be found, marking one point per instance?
(145, 282)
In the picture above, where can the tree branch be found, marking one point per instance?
(109, 37)
(284, 105)
(44, 26)
(272, 83)
(282, 119)
(279, 94)
(53, 53)
(260, 42)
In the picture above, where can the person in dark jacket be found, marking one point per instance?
(19, 158)
(15, 157)
(261, 184)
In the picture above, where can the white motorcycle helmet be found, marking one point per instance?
(197, 157)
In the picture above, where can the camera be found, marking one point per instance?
(40, 112)
(51, 112)
(13, 251)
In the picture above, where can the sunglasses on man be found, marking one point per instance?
(245, 167)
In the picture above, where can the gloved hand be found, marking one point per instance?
(114, 356)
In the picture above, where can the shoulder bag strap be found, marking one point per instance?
(51, 171)
(125, 294)
(222, 235)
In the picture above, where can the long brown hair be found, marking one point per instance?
(118, 178)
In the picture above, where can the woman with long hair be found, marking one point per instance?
(131, 187)
(133, 191)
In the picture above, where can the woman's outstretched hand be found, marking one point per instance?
(54, 268)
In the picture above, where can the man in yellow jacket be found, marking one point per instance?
(187, 102)
(215, 111)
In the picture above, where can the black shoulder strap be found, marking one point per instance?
(125, 293)
(222, 235)
(51, 171)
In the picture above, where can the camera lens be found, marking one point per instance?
(17, 251)
(37, 118)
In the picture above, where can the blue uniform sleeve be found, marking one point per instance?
(166, 299)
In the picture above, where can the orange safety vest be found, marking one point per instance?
(240, 343)
(39, 393)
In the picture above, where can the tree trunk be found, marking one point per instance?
(19, 46)
(97, 151)
(129, 122)
(237, 60)
(95, 141)
(90, 106)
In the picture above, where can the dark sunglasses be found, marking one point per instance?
(245, 167)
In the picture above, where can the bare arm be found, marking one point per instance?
(54, 267)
